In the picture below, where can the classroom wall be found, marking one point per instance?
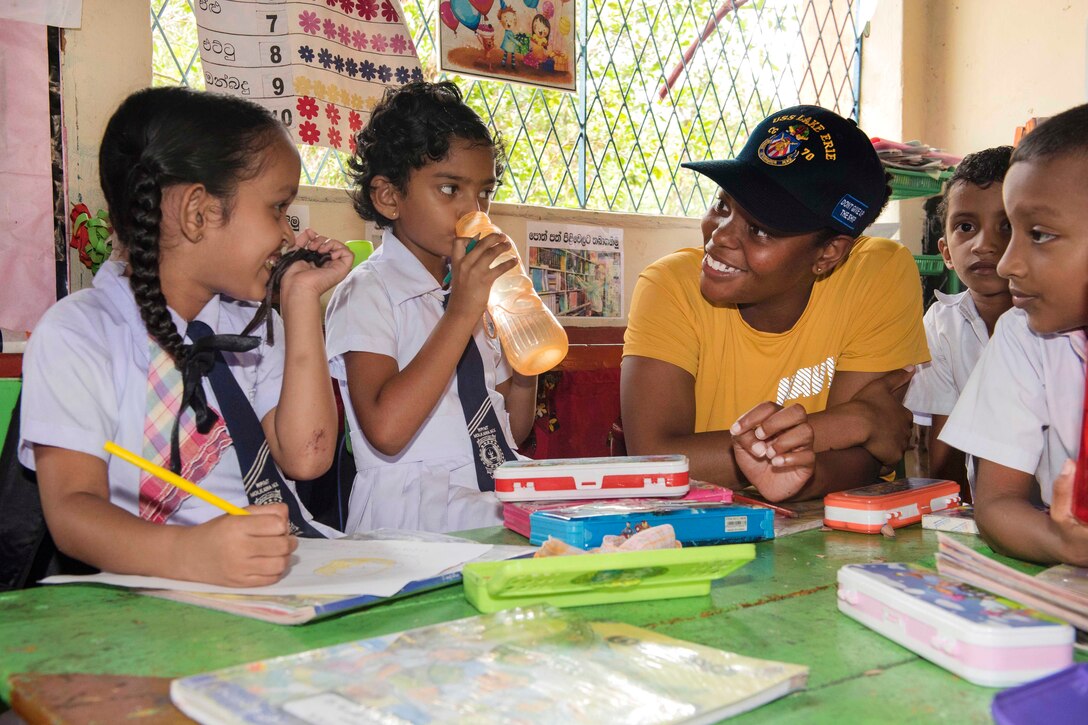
(962, 75)
(958, 74)
(989, 65)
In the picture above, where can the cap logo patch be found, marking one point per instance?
(782, 147)
(848, 211)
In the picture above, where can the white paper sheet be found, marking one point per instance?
(59, 13)
(323, 566)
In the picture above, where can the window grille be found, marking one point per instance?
(660, 82)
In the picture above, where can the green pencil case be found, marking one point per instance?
(580, 580)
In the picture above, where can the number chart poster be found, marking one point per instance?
(527, 41)
(577, 269)
(320, 66)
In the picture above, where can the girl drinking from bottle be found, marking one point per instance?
(432, 404)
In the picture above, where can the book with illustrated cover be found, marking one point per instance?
(1061, 591)
(530, 665)
(958, 520)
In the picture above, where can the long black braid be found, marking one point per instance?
(143, 253)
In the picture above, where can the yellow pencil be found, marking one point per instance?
(174, 479)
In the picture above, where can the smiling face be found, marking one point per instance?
(244, 243)
(1047, 259)
(437, 195)
(768, 275)
(977, 231)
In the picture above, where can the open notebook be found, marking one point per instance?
(388, 563)
(531, 665)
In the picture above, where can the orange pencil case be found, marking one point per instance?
(899, 503)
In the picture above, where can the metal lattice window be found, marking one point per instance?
(659, 83)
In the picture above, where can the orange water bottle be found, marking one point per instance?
(532, 339)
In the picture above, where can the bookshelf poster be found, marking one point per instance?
(319, 66)
(577, 269)
(526, 41)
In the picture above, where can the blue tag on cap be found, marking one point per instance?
(849, 211)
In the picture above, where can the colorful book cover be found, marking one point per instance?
(531, 665)
(958, 520)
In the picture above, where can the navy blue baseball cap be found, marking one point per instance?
(804, 169)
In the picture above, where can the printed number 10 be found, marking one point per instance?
(283, 115)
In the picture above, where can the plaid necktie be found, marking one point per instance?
(262, 480)
(489, 447)
(195, 453)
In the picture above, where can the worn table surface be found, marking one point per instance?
(781, 606)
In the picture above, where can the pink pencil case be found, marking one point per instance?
(515, 514)
(985, 639)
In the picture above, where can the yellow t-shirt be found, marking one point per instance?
(864, 317)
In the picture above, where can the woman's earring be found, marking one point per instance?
(819, 270)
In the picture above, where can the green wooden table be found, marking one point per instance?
(781, 606)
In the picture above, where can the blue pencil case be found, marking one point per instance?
(1058, 698)
(696, 523)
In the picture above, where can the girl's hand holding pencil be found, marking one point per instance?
(238, 550)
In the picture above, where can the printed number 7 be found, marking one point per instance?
(271, 22)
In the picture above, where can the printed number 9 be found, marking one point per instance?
(277, 86)
(274, 54)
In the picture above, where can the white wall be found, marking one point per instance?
(992, 64)
(963, 74)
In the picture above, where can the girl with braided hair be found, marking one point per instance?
(151, 356)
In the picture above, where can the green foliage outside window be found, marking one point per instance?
(617, 143)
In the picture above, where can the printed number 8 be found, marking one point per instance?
(274, 54)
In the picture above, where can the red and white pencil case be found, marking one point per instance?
(572, 479)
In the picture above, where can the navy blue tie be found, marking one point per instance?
(489, 447)
(262, 480)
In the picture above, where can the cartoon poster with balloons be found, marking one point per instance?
(526, 41)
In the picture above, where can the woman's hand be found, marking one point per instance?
(888, 424)
(773, 449)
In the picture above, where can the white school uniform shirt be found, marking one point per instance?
(389, 305)
(956, 335)
(85, 382)
(1022, 406)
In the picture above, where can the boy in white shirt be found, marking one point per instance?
(976, 233)
(1020, 413)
